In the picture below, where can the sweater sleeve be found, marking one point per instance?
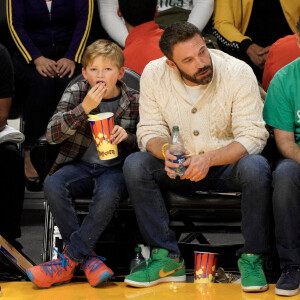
(15, 18)
(152, 123)
(248, 126)
(111, 22)
(201, 13)
(84, 14)
(225, 29)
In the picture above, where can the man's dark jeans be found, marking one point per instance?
(145, 177)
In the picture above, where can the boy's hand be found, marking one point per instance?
(119, 134)
(94, 97)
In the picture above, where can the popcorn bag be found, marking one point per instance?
(205, 264)
(102, 125)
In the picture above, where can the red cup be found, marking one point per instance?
(101, 130)
(205, 264)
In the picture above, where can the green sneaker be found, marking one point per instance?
(252, 274)
(160, 268)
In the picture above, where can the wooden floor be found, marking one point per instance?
(119, 291)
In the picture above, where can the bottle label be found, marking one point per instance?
(180, 159)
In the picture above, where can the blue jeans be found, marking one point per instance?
(286, 209)
(145, 178)
(107, 186)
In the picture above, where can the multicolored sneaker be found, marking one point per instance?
(252, 274)
(95, 269)
(54, 272)
(160, 268)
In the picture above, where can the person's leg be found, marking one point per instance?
(144, 175)
(252, 175)
(142, 171)
(109, 189)
(12, 191)
(286, 209)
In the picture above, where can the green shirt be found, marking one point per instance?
(282, 106)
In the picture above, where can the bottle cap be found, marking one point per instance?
(138, 249)
(175, 128)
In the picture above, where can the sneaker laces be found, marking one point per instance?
(254, 268)
(56, 265)
(93, 262)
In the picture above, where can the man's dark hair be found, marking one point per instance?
(137, 12)
(298, 26)
(176, 33)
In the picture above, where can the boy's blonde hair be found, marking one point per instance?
(104, 48)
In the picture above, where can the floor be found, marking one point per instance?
(119, 291)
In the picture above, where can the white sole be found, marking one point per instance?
(282, 292)
(255, 288)
(164, 279)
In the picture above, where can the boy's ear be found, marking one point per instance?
(121, 73)
(84, 73)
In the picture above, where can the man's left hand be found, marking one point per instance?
(197, 167)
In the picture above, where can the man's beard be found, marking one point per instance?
(204, 80)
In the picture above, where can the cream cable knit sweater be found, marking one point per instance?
(229, 109)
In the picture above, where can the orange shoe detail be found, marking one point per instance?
(54, 272)
(95, 270)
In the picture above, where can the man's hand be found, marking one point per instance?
(46, 67)
(169, 165)
(94, 97)
(197, 167)
(258, 55)
(119, 134)
(65, 66)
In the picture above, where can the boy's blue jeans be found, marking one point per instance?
(286, 209)
(146, 178)
(107, 186)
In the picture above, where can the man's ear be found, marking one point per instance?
(156, 12)
(119, 12)
(84, 73)
(171, 64)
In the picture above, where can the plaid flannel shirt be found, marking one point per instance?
(69, 126)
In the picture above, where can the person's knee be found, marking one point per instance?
(286, 174)
(256, 169)
(134, 165)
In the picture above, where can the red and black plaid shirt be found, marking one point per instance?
(69, 126)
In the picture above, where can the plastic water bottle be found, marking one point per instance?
(176, 147)
(138, 262)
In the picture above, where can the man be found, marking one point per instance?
(282, 112)
(214, 99)
(141, 45)
(11, 161)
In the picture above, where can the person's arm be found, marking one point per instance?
(226, 29)
(6, 85)
(15, 20)
(69, 115)
(286, 144)
(84, 13)
(248, 127)
(201, 13)
(111, 22)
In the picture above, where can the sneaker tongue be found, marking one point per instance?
(158, 253)
(250, 257)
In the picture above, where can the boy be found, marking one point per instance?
(78, 169)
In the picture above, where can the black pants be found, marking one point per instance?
(38, 95)
(11, 190)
